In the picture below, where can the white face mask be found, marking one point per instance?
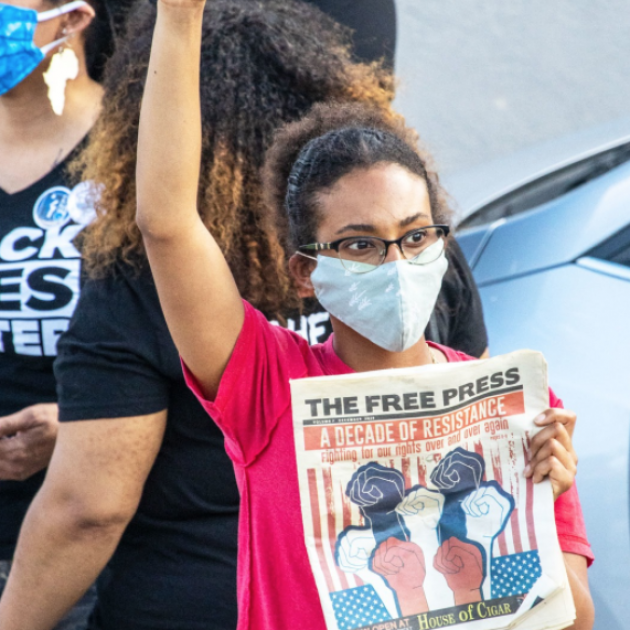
(389, 305)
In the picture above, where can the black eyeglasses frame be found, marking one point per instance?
(334, 245)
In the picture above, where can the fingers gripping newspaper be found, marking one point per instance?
(416, 512)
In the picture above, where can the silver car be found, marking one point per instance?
(547, 235)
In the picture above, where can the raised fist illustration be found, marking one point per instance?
(461, 563)
(354, 548)
(487, 510)
(352, 554)
(460, 470)
(377, 490)
(402, 565)
(374, 486)
(421, 509)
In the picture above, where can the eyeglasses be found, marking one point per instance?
(357, 251)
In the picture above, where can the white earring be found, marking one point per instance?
(64, 66)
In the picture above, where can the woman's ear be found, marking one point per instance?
(78, 20)
(301, 269)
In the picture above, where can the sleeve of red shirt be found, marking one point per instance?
(568, 512)
(254, 389)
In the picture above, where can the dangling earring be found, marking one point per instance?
(64, 66)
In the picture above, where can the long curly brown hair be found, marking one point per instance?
(262, 65)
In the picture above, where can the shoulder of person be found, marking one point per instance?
(453, 356)
(121, 306)
(117, 358)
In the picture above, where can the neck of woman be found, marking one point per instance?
(362, 355)
(33, 139)
(26, 112)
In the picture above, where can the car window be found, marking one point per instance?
(616, 249)
(549, 187)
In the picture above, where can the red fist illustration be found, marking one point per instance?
(461, 564)
(402, 565)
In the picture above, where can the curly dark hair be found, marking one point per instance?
(310, 155)
(262, 65)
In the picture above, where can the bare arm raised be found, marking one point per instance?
(197, 292)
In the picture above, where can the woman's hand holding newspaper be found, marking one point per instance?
(551, 453)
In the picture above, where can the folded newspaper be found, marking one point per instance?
(416, 512)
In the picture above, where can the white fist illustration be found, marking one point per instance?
(421, 509)
(354, 549)
(486, 510)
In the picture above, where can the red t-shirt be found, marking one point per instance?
(276, 587)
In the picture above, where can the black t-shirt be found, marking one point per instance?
(373, 25)
(175, 567)
(39, 286)
(457, 321)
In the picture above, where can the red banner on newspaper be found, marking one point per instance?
(376, 433)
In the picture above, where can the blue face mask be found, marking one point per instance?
(18, 54)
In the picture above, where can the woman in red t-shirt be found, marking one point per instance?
(366, 215)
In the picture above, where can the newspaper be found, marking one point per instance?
(416, 511)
